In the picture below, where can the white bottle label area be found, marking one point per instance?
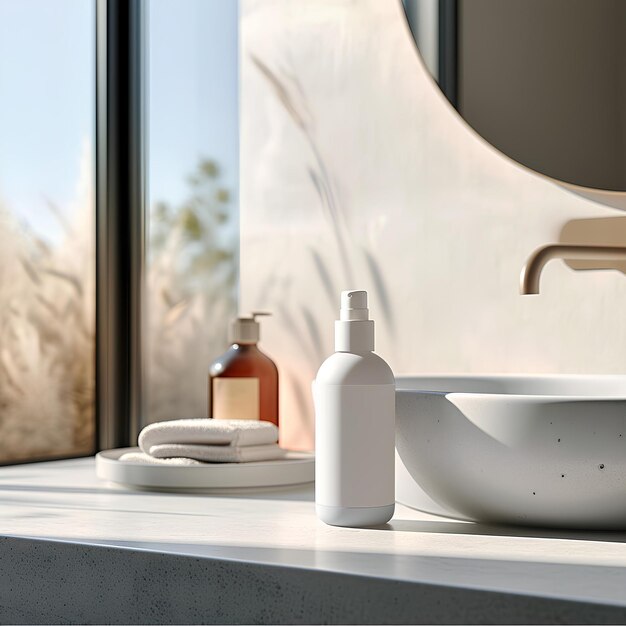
(355, 444)
(236, 398)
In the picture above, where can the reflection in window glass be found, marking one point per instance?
(46, 228)
(193, 230)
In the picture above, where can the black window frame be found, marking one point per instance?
(121, 52)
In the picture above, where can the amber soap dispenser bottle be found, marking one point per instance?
(243, 382)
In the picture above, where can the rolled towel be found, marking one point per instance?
(217, 454)
(146, 459)
(209, 432)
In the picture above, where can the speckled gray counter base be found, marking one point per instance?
(57, 582)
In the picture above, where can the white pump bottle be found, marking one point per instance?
(354, 397)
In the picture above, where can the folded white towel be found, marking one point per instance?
(192, 441)
(218, 454)
(208, 431)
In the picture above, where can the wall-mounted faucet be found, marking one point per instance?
(531, 272)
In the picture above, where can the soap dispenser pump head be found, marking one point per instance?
(246, 330)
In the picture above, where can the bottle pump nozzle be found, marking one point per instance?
(354, 331)
(354, 306)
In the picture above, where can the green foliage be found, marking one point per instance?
(191, 292)
(196, 242)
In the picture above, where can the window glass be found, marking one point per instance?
(47, 254)
(192, 225)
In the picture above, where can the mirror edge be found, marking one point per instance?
(605, 197)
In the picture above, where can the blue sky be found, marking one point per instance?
(47, 99)
(194, 108)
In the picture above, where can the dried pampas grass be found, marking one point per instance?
(47, 335)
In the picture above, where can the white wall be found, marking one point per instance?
(431, 220)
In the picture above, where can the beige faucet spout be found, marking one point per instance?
(531, 272)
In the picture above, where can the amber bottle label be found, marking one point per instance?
(236, 398)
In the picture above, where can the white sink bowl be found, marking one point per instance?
(542, 451)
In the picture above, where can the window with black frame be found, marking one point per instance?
(118, 216)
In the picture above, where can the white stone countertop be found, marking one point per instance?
(582, 576)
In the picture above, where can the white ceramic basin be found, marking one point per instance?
(544, 451)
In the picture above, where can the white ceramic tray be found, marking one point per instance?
(295, 469)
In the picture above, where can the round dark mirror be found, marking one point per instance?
(544, 81)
